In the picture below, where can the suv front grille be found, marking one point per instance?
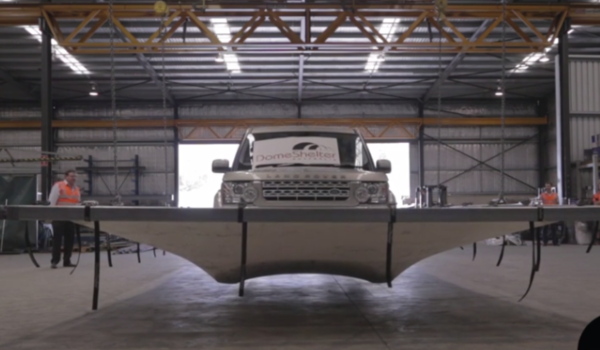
(305, 190)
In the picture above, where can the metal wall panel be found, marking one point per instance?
(480, 132)
(520, 162)
(520, 157)
(152, 179)
(362, 110)
(106, 135)
(238, 111)
(21, 168)
(481, 108)
(584, 84)
(10, 138)
(290, 110)
(151, 157)
(145, 111)
(582, 129)
(469, 182)
(150, 184)
(20, 112)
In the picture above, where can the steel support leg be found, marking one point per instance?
(46, 107)
(96, 264)
(563, 125)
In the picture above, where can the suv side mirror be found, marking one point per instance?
(220, 166)
(384, 166)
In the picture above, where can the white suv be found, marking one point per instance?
(303, 166)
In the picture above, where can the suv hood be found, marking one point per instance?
(305, 173)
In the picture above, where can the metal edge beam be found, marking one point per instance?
(275, 215)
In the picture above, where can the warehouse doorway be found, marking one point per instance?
(398, 154)
(198, 184)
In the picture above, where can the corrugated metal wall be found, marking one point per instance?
(479, 142)
(582, 129)
(584, 85)
(584, 105)
(462, 149)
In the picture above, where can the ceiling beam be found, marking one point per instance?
(157, 123)
(454, 63)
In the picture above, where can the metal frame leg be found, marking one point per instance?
(244, 257)
(78, 234)
(96, 264)
(138, 253)
(390, 241)
(28, 245)
(108, 250)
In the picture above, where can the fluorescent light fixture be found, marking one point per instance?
(93, 93)
(499, 93)
(59, 51)
(387, 28)
(221, 29)
(545, 59)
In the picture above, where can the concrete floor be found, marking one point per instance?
(445, 302)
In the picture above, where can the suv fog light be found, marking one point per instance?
(238, 189)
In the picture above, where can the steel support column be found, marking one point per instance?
(301, 63)
(421, 149)
(542, 142)
(46, 107)
(563, 114)
(176, 156)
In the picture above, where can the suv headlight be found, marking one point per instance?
(372, 192)
(238, 192)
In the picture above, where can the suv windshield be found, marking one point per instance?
(303, 148)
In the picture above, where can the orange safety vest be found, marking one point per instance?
(68, 195)
(549, 198)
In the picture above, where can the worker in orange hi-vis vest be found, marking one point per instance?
(64, 192)
(549, 197)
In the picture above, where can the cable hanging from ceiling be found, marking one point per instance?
(113, 104)
(503, 101)
(440, 6)
(162, 9)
